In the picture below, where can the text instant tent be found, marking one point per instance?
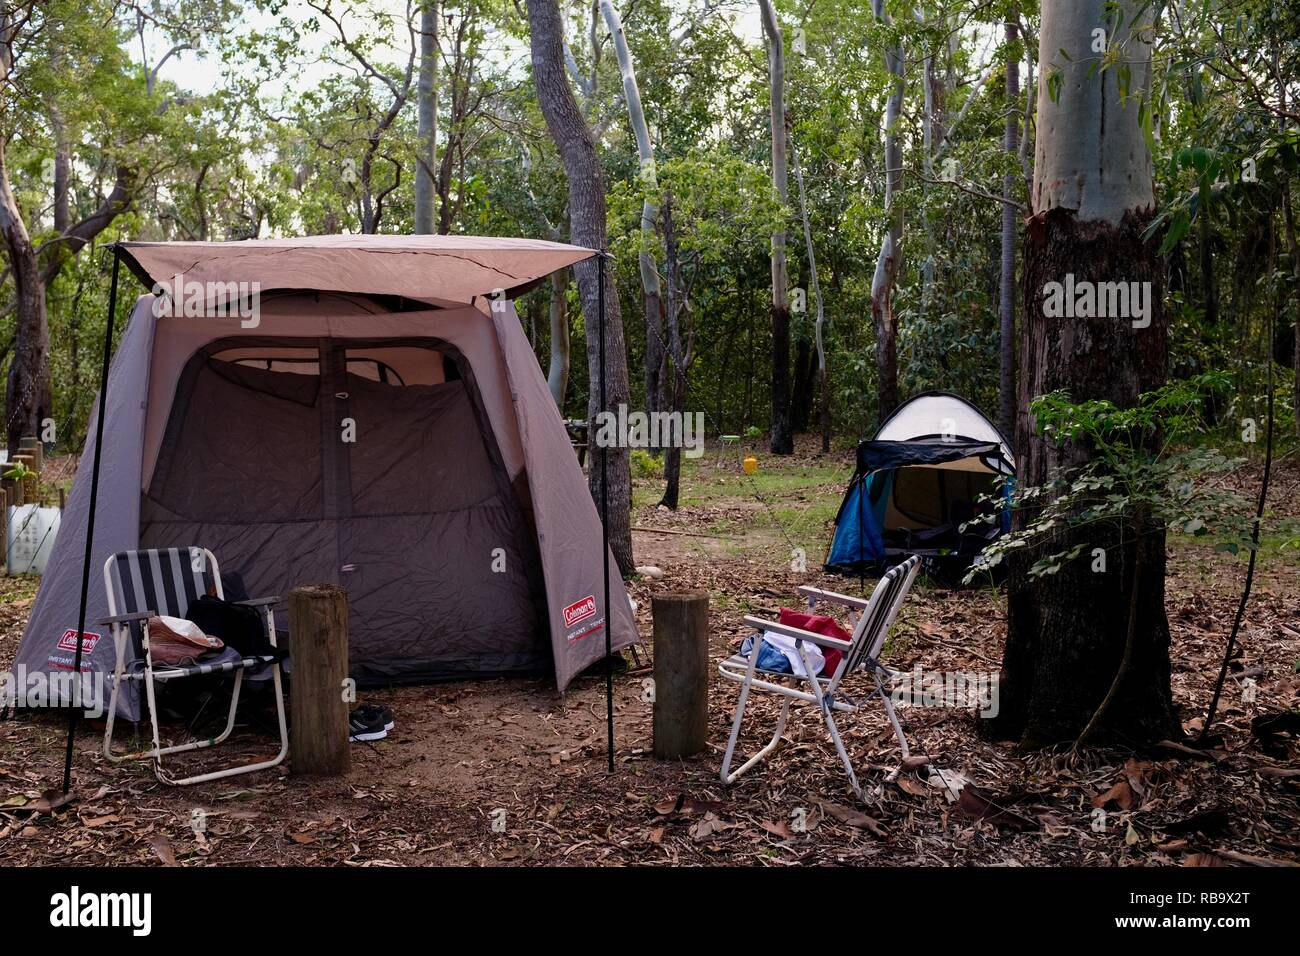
(384, 426)
(917, 482)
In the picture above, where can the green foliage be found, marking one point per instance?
(646, 465)
(274, 140)
(1146, 469)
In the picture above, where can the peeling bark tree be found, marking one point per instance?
(1007, 285)
(586, 177)
(656, 385)
(891, 246)
(781, 441)
(1092, 198)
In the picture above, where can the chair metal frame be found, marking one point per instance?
(874, 618)
(121, 622)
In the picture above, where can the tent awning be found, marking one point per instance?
(438, 268)
(876, 455)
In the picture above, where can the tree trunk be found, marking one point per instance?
(1293, 246)
(586, 178)
(887, 263)
(1288, 217)
(801, 398)
(781, 441)
(1209, 284)
(655, 383)
(557, 376)
(62, 173)
(1007, 286)
(820, 326)
(1092, 199)
(27, 391)
(677, 352)
(427, 119)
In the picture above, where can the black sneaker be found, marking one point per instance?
(378, 710)
(364, 724)
(376, 713)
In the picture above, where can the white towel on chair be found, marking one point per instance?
(786, 646)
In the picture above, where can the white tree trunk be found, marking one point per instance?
(887, 262)
(427, 119)
(557, 376)
(650, 285)
(1086, 156)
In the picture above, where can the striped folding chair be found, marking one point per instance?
(874, 619)
(142, 584)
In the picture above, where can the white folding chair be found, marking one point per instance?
(874, 619)
(143, 584)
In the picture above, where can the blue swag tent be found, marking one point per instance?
(917, 482)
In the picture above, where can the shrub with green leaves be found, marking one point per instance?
(1145, 469)
(646, 465)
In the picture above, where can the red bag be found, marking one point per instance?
(819, 624)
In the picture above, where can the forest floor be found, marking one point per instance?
(510, 772)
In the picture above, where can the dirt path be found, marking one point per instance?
(507, 771)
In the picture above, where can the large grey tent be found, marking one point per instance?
(384, 426)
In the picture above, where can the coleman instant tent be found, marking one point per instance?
(933, 466)
(378, 421)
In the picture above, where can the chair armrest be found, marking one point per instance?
(821, 640)
(818, 594)
(259, 602)
(126, 618)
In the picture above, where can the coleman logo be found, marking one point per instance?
(579, 610)
(68, 642)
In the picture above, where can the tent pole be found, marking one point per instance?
(74, 710)
(604, 523)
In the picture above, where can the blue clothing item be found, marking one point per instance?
(769, 658)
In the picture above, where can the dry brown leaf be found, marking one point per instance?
(163, 848)
(708, 826)
(851, 817)
(1121, 794)
(913, 786)
(979, 807)
(780, 830)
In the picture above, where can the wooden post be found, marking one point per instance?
(681, 694)
(32, 446)
(318, 634)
